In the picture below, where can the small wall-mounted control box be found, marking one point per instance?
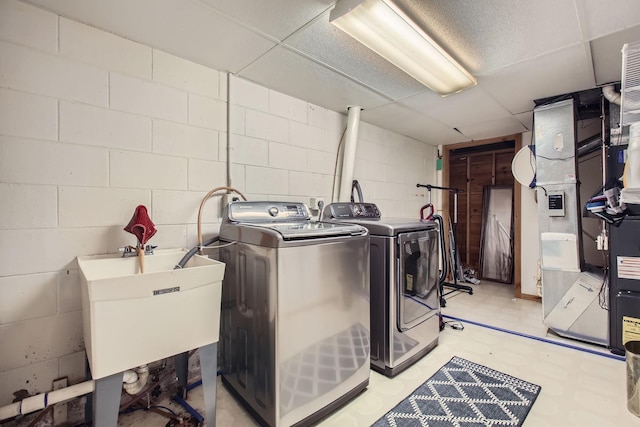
(555, 203)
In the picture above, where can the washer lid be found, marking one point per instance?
(312, 229)
(391, 226)
(282, 221)
(368, 215)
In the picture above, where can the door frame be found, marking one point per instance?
(517, 191)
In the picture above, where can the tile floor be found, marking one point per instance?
(578, 388)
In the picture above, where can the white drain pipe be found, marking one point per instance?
(349, 156)
(41, 401)
(134, 382)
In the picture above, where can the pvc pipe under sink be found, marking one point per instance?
(133, 381)
(141, 378)
(41, 401)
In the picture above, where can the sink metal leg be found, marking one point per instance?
(181, 363)
(88, 399)
(106, 400)
(209, 370)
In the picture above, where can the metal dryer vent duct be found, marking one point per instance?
(569, 295)
(611, 94)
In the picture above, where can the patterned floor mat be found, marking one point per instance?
(465, 394)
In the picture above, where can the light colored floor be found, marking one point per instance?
(578, 388)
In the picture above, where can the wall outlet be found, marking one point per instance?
(315, 202)
(225, 199)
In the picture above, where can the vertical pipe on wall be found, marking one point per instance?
(229, 109)
(349, 156)
(604, 138)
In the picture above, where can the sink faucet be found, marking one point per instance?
(320, 208)
(129, 251)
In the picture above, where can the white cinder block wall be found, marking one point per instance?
(284, 148)
(92, 124)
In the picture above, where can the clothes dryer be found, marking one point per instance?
(405, 301)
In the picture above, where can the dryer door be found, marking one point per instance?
(417, 279)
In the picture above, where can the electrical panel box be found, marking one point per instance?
(555, 200)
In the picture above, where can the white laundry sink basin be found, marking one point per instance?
(131, 319)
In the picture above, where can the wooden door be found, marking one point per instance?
(469, 167)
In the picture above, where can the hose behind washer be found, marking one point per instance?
(193, 251)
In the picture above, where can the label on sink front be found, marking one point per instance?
(166, 291)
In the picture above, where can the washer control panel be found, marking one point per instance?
(352, 210)
(267, 211)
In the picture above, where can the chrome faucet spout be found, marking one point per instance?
(321, 210)
(129, 251)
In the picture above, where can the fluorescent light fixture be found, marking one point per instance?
(383, 28)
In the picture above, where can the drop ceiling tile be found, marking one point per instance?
(526, 119)
(329, 45)
(189, 29)
(607, 54)
(292, 74)
(605, 17)
(489, 34)
(493, 129)
(413, 124)
(470, 106)
(520, 50)
(277, 18)
(516, 86)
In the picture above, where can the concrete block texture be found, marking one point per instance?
(28, 206)
(105, 50)
(31, 161)
(183, 74)
(27, 25)
(27, 115)
(100, 127)
(29, 70)
(28, 297)
(147, 98)
(177, 139)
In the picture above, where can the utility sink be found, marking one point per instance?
(131, 319)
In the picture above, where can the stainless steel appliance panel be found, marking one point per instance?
(322, 335)
(395, 343)
(296, 326)
(380, 273)
(248, 326)
(417, 279)
(405, 322)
